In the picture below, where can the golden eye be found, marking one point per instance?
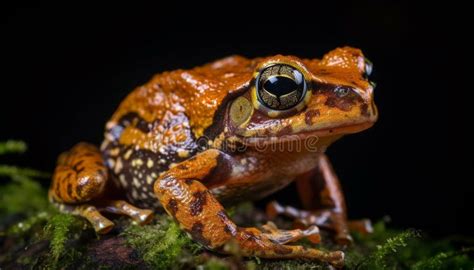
(280, 87)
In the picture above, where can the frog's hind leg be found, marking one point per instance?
(321, 194)
(196, 210)
(78, 187)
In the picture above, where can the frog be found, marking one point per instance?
(194, 141)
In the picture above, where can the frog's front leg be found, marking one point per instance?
(320, 193)
(78, 187)
(197, 211)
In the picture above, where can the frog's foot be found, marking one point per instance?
(140, 216)
(288, 236)
(102, 225)
(253, 242)
(328, 219)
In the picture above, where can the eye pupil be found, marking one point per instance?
(280, 87)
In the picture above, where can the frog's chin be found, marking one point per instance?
(327, 134)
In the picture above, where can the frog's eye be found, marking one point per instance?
(280, 87)
(368, 67)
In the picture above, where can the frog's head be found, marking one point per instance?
(291, 98)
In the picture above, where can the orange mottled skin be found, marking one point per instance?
(190, 140)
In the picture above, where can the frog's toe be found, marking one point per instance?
(274, 209)
(101, 224)
(362, 226)
(288, 236)
(140, 216)
(329, 219)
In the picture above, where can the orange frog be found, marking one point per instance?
(191, 141)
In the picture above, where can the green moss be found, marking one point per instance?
(447, 260)
(57, 230)
(27, 224)
(215, 264)
(12, 146)
(393, 249)
(160, 245)
(13, 171)
(382, 256)
(22, 195)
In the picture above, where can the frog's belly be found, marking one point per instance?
(249, 191)
(138, 189)
(135, 172)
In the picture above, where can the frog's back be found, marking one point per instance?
(160, 123)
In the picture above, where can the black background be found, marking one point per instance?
(66, 68)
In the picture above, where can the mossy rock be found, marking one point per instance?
(59, 241)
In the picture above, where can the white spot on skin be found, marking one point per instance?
(110, 125)
(109, 137)
(183, 153)
(128, 154)
(134, 194)
(118, 166)
(137, 162)
(218, 190)
(238, 170)
(162, 150)
(110, 162)
(162, 161)
(149, 163)
(149, 179)
(252, 163)
(246, 166)
(136, 182)
(143, 194)
(104, 145)
(123, 181)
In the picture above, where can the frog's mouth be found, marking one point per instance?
(323, 135)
